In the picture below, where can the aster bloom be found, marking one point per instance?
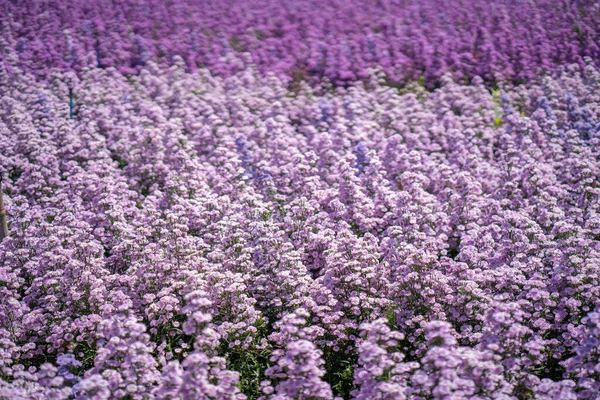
(382, 371)
(124, 361)
(296, 372)
(585, 364)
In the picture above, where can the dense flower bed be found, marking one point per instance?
(299, 39)
(177, 235)
(269, 200)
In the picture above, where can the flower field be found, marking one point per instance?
(262, 199)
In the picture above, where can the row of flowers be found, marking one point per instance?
(305, 39)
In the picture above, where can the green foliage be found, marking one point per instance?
(496, 96)
(391, 317)
(236, 44)
(339, 371)
(251, 365)
(122, 163)
(498, 122)
(266, 215)
(15, 173)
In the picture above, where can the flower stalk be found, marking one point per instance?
(3, 222)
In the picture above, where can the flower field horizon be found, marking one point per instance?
(300, 200)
